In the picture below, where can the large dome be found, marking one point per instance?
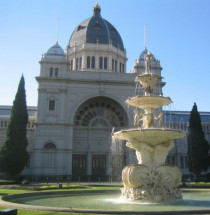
(96, 30)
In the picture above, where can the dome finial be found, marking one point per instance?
(145, 38)
(97, 9)
(57, 31)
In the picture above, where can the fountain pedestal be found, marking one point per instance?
(151, 180)
(151, 184)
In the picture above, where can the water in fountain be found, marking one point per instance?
(117, 159)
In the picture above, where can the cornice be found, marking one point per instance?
(53, 124)
(83, 81)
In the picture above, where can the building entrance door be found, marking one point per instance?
(79, 165)
(99, 165)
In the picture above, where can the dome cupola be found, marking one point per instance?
(96, 30)
(55, 51)
(140, 67)
(144, 53)
(96, 45)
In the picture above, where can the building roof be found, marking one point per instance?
(169, 116)
(96, 30)
(184, 116)
(5, 111)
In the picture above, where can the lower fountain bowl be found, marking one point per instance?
(151, 136)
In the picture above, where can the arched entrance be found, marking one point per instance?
(93, 124)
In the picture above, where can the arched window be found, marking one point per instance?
(105, 63)
(56, 72)
(93, 62)
(101, 112)
(49, 145)
(115, 65)
(80, 62)
(51, 72)
(112, 64)
(77, 64)
(51, 104)
(100, 63)
(123, 68)
(120, 67)
(88, 62)
(49, 155)
(71, 65)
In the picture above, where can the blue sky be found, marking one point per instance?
(178, 34)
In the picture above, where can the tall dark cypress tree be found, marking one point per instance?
(13, 153)
(198, 146)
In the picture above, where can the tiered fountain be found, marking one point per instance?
(151, 180)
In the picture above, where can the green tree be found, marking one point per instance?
(198, 146)
(13, 153)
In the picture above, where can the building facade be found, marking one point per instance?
(81, 100)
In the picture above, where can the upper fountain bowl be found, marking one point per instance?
(148, 79)
(146, 102)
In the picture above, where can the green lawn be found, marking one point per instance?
(29, 212)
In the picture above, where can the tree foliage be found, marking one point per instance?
(198, 146)
(13, 153)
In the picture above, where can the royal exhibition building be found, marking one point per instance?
(81, 101)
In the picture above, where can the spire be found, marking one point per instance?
(57, 31)
(97, 9)
(145, 38)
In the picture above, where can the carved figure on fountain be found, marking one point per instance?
(148, 59)
(148, 118)
(137, 117)
(160, 119)
(151, 155)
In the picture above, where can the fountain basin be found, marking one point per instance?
(107, 202)
(150, 136)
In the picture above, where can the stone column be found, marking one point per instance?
(37, 162)
(42, 104)
(69, 148)
(89, 155)
(69, 162)
(84, 62)
(74, 63)
(89, 163)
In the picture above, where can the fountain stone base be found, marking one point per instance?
(151, 184)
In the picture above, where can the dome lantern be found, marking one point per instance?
(97, 10)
